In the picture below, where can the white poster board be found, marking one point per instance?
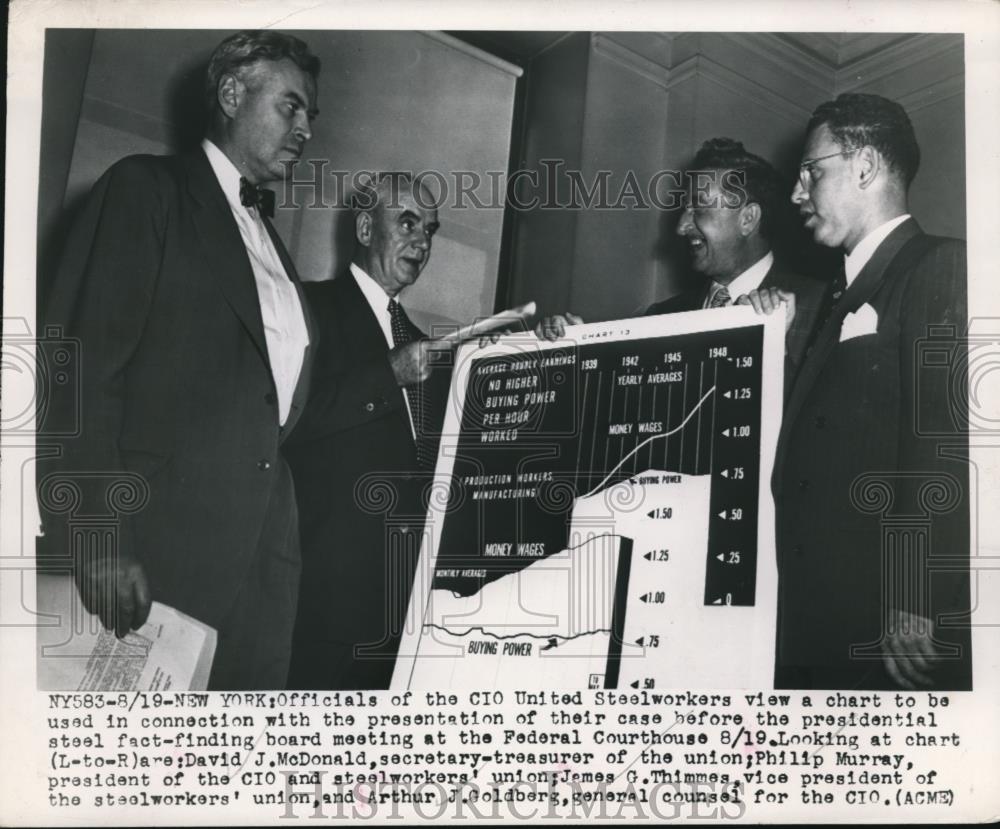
(609, 522)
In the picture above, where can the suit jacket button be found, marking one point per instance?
(797, 549)
(271, 398)
(803, 485)
(820, 421)
(369, 407)
(263, 464)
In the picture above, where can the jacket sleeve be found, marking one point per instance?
(933, 446)
(101, 299)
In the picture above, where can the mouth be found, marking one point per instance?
(414, 263)
(295, 152)
(696, 245)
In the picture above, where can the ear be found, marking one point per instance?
(230, 94)
(363, 228)
(750, 216)
(867, 166)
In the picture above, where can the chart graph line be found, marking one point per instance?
(649, 440)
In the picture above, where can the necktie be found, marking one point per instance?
(831, 299)
(260, 197)
(720, 298)
(403, 333)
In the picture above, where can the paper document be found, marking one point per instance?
(172, 651)
(482, 327)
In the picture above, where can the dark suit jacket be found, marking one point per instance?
(808, 299)
(863, 464)
(360, 496)
(175, 384)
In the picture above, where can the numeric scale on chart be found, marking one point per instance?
(603, 526)
(670, 412)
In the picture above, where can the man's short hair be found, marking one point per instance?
(759, 179)
(239, 52)
(860, 120)
(385, 186)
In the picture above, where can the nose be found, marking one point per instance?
(422, 242)
(798, 192)
(686, 222)
(303, 129)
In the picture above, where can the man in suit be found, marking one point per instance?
(364, 453)
(872, 509)
(360, 472)
(729, 224)
(194, 348)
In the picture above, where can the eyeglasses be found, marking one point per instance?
(806, 167)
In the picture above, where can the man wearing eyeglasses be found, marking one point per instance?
(872, 509)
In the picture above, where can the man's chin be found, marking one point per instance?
(819, 231)
(404, 280)
(410, 273)
(825, 238)
(284, 167)
(699, 264)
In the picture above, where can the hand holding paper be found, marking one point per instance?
(768, 300)
(482, 328)
(412, 363)
(554, 327)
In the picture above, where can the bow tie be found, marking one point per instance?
(253, 196)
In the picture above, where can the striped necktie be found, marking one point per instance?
(720, 298)
(403, 332)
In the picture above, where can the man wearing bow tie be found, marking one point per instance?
(870, 484)
(194, 343)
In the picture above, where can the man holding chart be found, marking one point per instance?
(364, 458)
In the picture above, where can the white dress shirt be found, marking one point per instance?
(378, 300)
(747, 281)
(285, 331)
(865, 249)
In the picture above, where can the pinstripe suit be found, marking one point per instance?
(869, 476)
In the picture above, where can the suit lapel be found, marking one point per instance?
(301, 393)
(223, 248)
(279, 246)
(861, 290)
(365, 335)
(770, 279)
(694, 299)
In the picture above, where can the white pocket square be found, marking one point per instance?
(862, 322)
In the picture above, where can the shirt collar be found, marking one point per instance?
(226, 172)
(865, 249)
(377, 298)
(749, 279)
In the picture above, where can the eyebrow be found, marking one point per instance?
(294, 96)
(409, 214)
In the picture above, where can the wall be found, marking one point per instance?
(543, 240)
(620, 102)
(927, 76)
(650, 99)
(387, 100)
